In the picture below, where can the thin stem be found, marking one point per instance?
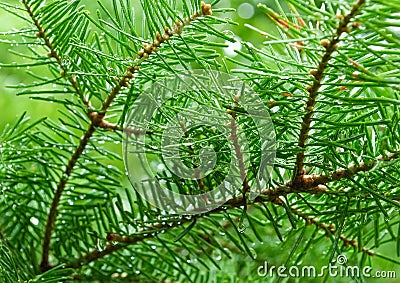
(44, 265)
(310, 181)
(319, 74)
(148, 49)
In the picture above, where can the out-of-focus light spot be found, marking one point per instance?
(246, 11)
(34, 220)
(232, 46)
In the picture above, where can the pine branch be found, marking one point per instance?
(319, 74)
(116, 242)
(267, 195)
(355, 119)
(98, 121)
(151, 48)
(158, 228)
(53, 53)
(142, 55)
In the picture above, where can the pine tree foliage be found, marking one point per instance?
(329, 74)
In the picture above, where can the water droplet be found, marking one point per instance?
(34, 220)
(124, 274)
(253, 253)
(242, 227)
(228, 32)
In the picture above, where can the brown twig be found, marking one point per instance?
(238, 152)
(44, 265)
(144, 53)
(148, 49)
(313, 180)
(54, 54)
(319, 74)
(100, 122)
